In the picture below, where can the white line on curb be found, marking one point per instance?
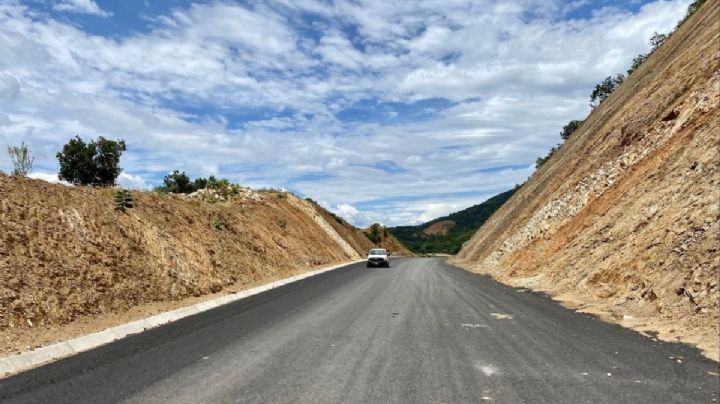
(17, 363)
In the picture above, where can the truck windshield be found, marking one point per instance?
(377, 252)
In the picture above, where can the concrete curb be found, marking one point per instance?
(27, 360)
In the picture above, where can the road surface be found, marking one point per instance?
(421, 331)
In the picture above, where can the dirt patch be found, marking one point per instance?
(439, 228)
(623, 221)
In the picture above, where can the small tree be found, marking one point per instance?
(570, 128)
(21, 159)
(107, 160)
(692, 7)
(637, 62)
(96, 163)
(374, 234)
(177, 182)
(542, 160)
(605, 88)
(656, 40)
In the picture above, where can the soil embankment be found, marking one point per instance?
(71, 264)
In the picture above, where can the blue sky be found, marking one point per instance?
(396, 112)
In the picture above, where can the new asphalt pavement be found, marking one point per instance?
(421, 331)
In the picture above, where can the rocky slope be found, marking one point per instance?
(71, 263)
(623, 219)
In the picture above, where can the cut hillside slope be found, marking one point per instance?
(70, 263)
(353, 236)
(623, 220)
(448, 233)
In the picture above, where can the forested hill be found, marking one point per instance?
(447, 234)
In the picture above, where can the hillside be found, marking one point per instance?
(447, 234)
(70, 263)
(623, 220)
(385, 239)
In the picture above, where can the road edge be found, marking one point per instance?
(11, 365)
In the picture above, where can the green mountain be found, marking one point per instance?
(447, 234)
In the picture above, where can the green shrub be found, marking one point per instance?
(542, 160)
(692, 8)
(605, 88)
(637, 62)
(282, 223)
(217, 223)
(214, 183)
(123, 200)
(336, 217)
(177, 182)
(656, 40)
(570, 128)
(270, 190)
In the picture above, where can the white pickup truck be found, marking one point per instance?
(378, 257)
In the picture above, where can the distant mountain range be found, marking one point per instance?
(447, 234)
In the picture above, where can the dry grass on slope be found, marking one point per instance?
(623, 220)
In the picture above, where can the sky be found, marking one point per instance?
(383, 111)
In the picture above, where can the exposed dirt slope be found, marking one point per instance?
(623, 220)
(67, 257)
(439, 228)
(353, 236)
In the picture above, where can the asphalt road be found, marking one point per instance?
(421, 331)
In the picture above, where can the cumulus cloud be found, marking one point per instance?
(347, 211)
(49, 177)
(130, 181)
(399, 110)
(81, 7)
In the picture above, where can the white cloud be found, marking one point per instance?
(347, 211)
(49, 177)
(508, 82)
(130, 181)
(81, 7)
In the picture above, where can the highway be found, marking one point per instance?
(421, 331)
